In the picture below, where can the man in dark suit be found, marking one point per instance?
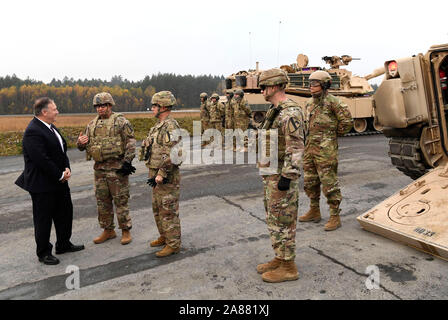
(46, 175)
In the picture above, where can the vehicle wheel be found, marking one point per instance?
(360, 125)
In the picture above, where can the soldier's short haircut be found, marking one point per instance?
(40, 104)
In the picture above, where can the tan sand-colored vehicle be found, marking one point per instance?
(355, 91)
(411, 104)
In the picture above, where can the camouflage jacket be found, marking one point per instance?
(111, 142)
(216, 112)
(157, 148)
(229, 106)
(241, 110)
(204, 109)
(288, 119)
(326, 119)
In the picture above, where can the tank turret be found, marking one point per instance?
(354, 90)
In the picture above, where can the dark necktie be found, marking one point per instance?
(54, 131)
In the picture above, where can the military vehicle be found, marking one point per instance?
(411, 104)
(355, 91)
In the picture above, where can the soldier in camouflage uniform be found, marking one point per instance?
(229, 115)
(109, 141)
(164, 176)
(229, 110)
(204, 109)
(241, 114)
(281, 194)
(217, 113)
(327, 118)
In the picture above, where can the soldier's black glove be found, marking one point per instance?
(283, 183)
(126, 169)
(152, 182)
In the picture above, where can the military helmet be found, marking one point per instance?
(323, 77)
(239, 92)
(103, 98)
(214, 95)
(163, 99)
(203, 95)
(273, 77)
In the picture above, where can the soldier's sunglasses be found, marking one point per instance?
(263, 88)
(105, 105)
(314, 83)
(156, 105)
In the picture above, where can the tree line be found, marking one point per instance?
(75, 96)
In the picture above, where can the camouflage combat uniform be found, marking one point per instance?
(216, 115)
(229, 106)
(282, 206)
(241, 114)
(165, 197)
(327, 119)
(205, 115)
(111, 143)
(241, 118)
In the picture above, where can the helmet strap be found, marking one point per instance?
(157, 115)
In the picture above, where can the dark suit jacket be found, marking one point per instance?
(44, 159)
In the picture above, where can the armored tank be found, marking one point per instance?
(411, 104)
(355, 91)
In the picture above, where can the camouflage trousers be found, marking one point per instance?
(281, 216)
(322, 169)
(229, 123)
(243, 125)
(205, 124)
(165, 206)
(217, 125)
(112, 188)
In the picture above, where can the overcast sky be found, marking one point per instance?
(48, 39)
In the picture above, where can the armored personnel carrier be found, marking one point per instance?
(355, 91)
(411, 104)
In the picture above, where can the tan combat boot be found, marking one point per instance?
(157, 243)
(287, 271)
(125, 237)
(167, 251)
(333, 223)
(106, 235)
(312, 215)
(269, 266)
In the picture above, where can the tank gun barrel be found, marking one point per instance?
(376, 73)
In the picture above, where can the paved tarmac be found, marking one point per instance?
(224, 237)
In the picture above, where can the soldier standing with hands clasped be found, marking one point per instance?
(110, 141)
(164, 175)
(281, 193)
(327, 119)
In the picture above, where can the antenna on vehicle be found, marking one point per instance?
(278, 47)
(250, 49)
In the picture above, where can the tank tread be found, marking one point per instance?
(365, 133)
(405, 154)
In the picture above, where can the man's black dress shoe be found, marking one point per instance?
(49, 259)
(70, 248)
